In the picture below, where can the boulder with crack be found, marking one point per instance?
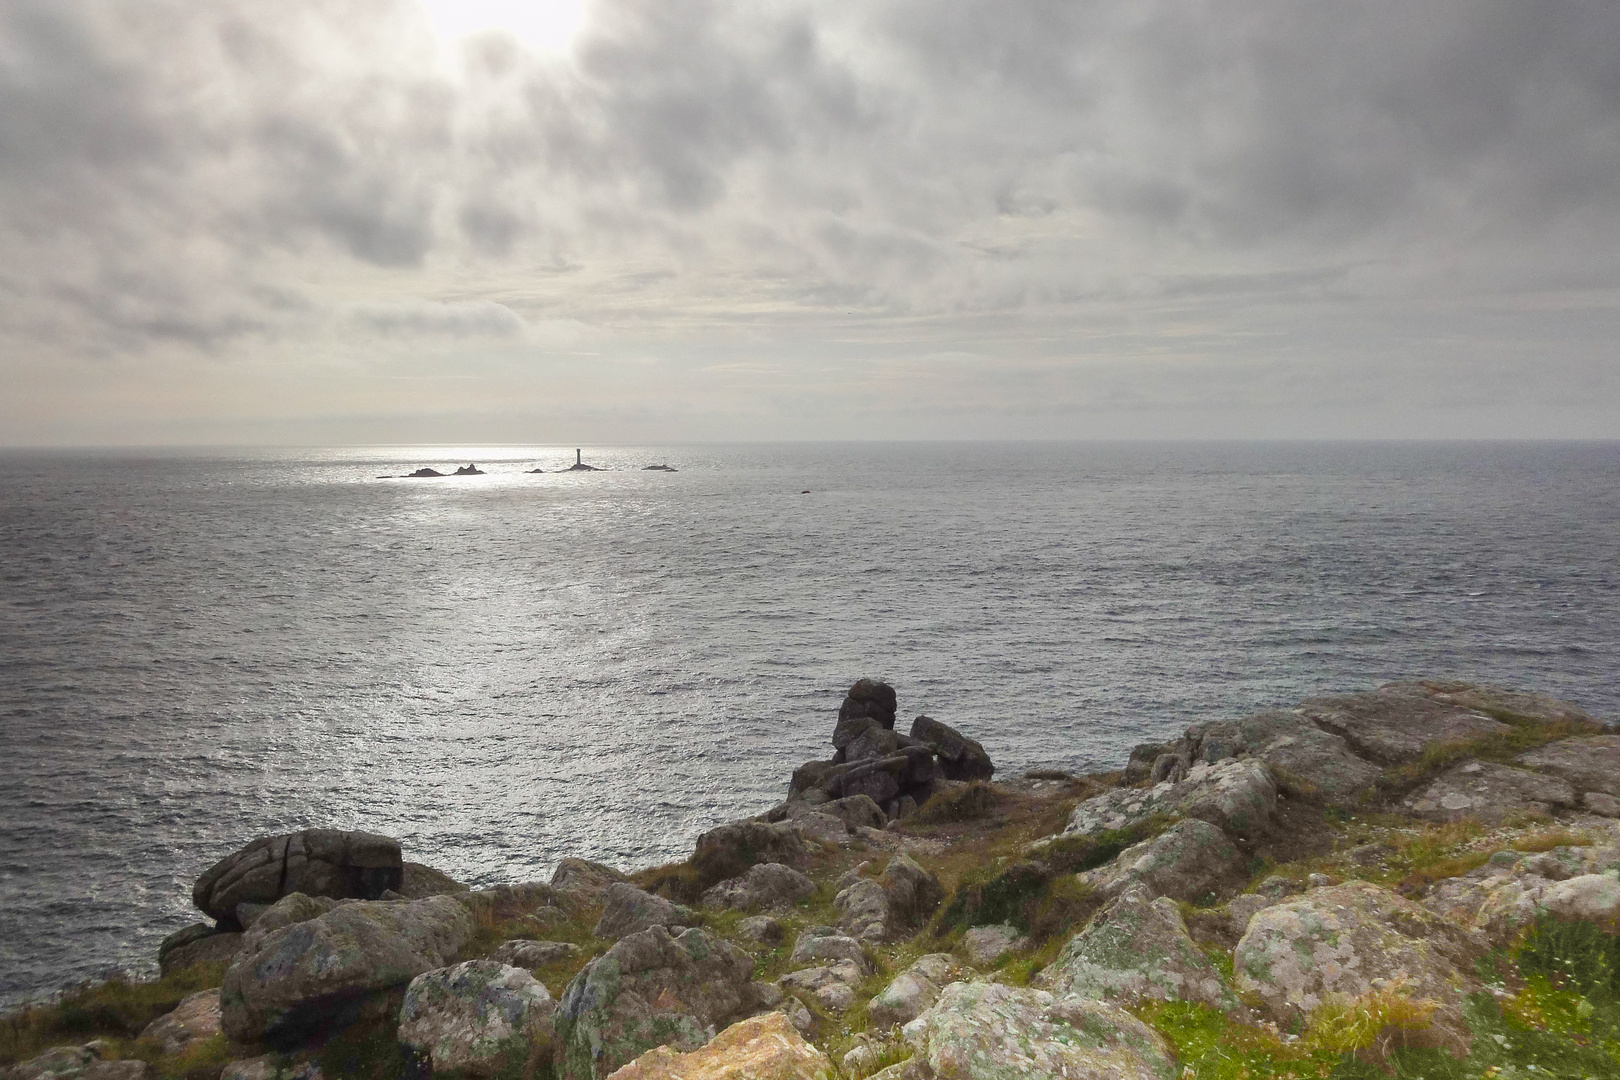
(316, 862)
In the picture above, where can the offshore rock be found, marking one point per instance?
(985, 1031)
(629, 910)
(650, 989)
(760, 1048)
(316, 862)
(476, 1017)
(1186, 862)
(322, 974)
(1343, 939)
(870, 700)
(1489, 792)
(1135, 950)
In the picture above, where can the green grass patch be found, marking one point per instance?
(970, 803)
(115, 1009)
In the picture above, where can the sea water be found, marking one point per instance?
(200, 648)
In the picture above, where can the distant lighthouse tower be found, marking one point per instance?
(577, 459)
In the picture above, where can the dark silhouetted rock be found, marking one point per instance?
(960, 757)
(316, 862)
(425, 472)
(470, 470)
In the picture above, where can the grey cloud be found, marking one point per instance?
(460, 319)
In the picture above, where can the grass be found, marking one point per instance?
(971, 803)
(117, 1009)
(1524, 733)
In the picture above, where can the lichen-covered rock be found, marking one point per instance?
(194, 1020)
(578, 883)
(271, 1067)
(1588, 764)
(763, 929)
(1341, 940)
(321, 973)
(1396, 722)
(1304, 758)
(826, 943)
(1185, 862)
(290, 909)
(1489, 792)
(628, 910)
(77, 1063)
(987, 944)
(1237, 796)
(650, 989)
(316, 862)
(897, 900)
(1137, 949)
(419, 881)
(832, 985)
(766, 886)
(985, 1031)
(760, 1048)
(1590, 897)
(913, 990)
(522, 953)
(476, 1017)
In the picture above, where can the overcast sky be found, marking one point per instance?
(335, 221)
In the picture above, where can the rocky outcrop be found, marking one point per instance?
(1489, 792)
(578, 883)
(650, 989)
(478, 1017)
(198, 943)
(760, 1048)
(533, 954)
(629, 910)
(984, 1030)
(418, 882)
(1304, 758)
(1137, 949)
(1188, 861)
(960, 758)
(729, 851)
(316, 862)
(1237, 796)
(913, 990)
(1344, 939)
(193, 1021)
(87, 1062)
(985, 945)
(324, 972)
(833, 964)
(765, 887)
(1589, 765)
(899, 899)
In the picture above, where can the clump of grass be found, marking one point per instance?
(1548, 839)
(1372, 1021)
(970, 803)
(678, 881)
(1213, 1046)
(115, 1009)
(987, 898)
(1524, 733)
(1076, 854)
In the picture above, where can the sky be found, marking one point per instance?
(637, 221)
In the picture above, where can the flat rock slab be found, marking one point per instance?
(1304, 758)
(760, 1048)
(1187, 861)
(986, 1031)
(1236, 796)
(987, 944)
(1393, 724)
(765, 887)
(1137, 949)
(478, 1017)
(1341, 939)
(629, 910)
(650, 989)
(309, 975)
(316, 862)
(1588, 763)
(1489, 792)
(533, 954)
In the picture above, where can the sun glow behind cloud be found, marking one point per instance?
(549, 25)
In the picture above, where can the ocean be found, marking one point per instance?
(198, 648)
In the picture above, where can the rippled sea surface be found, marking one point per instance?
(198, 649)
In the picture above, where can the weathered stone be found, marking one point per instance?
(728, 851)
(290, 909)
(629, 910)
(760, 1048)
(503, 903)
(319, 974)
(192, 1021)
(1489, 792)
(476, 1016)
(1187, 861)
(418, 882)
(880, 909)
(271, 1067)
(1237, 796)
(855, 810)
(913, 990)
(1242, 908)
(960, 758)
(1495, 699)
(188, 948)
(987, 944)
(316, 862)
(579, 882)
(766, 886)
(873, 742)
(533, 954)
(1588, 764)
(1590, 897)
(77, 1063)
(832, 985)
(1137, 949)
(1601, 804)
(867, 699)
(1396, 722)
(1304, 759)
(763, 929)
(1343, 939)
(825, 943)
(649, 989)
(985, 1031)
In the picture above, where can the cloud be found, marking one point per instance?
(197, 183)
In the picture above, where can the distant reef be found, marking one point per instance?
(1422, 879)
